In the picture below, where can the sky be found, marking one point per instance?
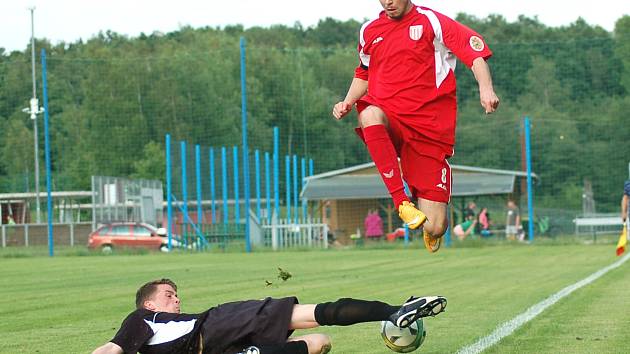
(71, 20)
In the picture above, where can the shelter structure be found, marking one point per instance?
(343, 196)
(17, 205)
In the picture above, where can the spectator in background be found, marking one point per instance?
(484, 222)
(512, 221)
(373, 225)
(466, 228)
(471, 210)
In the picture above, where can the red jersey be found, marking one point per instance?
(409, 65)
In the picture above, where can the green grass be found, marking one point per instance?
(73, 303)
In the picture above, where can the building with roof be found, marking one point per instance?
(344, 196)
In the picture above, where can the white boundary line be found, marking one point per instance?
(510, 326)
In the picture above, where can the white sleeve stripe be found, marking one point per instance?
(444, 59)
(361, 39)
(435, 23)
(365, 58)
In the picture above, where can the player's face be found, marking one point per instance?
(164, 300)
(396, 9)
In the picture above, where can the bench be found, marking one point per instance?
(604, 224)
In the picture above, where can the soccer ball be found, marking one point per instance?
(250, 350)
(403, 340)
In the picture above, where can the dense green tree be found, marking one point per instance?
(113, 98)
(151, 165)
(17, 152)
(622, 48)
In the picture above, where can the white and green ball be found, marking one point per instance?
(403, 340)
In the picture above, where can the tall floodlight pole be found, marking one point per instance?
(34, 110)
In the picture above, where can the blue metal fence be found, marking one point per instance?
(233, 209)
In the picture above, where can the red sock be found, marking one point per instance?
(384, 155)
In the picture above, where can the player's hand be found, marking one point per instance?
(489, 100)
(341, 109)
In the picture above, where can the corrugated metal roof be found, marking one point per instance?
(465, 184)
(43, 194)
(345, 187)
(372, 186)
(454, 168)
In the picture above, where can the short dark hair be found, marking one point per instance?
(147, 290)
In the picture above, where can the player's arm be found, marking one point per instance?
(472, 50)
(108, 348)
(359, 85)
(357, 89)
(624, 207)
(487, 96)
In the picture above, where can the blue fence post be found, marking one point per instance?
(182, 146)
(224, 184)
(237, 207)
(447, 233)
(257, 168)
(276, 171)
(408, 192)
(302, 171)
(287, 167)
(295, 189)
(267, 187)
(198, 181)
(304, 204)
(169, 193)
(530, 197)
(447, 236)
(245, 147)
(49, 220)
(311, 169)
(213, 206)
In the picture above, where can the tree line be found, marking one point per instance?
(113, 98)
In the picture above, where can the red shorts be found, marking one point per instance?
(423, 162)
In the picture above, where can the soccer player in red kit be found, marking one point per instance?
(404, 90)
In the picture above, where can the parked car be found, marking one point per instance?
(130, 235)
(398, 234)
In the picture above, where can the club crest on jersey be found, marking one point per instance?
(415, 32)
(476, 44)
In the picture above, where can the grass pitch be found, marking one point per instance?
(72, 303)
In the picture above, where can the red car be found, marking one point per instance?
(129, 235)
(399, 233)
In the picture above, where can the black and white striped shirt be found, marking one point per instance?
(148, 332)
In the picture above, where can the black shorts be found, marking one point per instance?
(230, 327)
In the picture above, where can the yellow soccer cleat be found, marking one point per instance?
(413, 217)
(431, 243)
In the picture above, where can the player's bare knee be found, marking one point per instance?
(436, 228)
(372, 115)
